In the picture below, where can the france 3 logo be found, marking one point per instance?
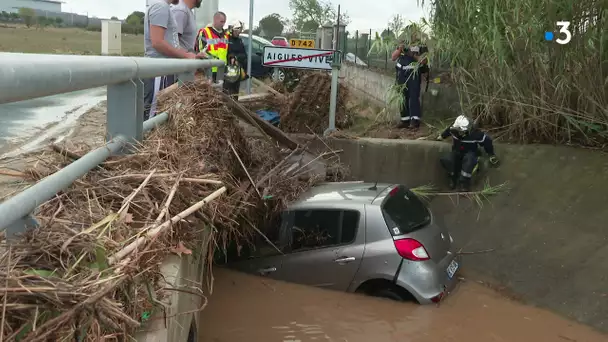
(564, 35)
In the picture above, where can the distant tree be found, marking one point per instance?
(388, 34)
(272, 25)
(28, 15)
(135, 18)
(115, 18)
(14, 16)
(5, 16)
(318, 11)
(58, 21)
(309, 26)
(256, 30)
(396, 25)
(41, 21)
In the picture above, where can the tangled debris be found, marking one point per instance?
(306, 109)
(91, 271)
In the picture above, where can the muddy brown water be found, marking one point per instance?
(249, 308)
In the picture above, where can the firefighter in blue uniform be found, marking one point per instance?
(461, 162)
(411, 64)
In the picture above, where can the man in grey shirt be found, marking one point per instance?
(186, 23)
(161, 40)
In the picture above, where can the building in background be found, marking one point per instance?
(12, 6)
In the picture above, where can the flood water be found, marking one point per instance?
(250, 309)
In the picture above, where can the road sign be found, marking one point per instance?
(302, 43)
(284, 57)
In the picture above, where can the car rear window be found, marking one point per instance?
(404, 212)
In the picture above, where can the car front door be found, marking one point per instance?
(326, 247)
(264, 258)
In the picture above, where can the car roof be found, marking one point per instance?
(259, 39)
(353, 192)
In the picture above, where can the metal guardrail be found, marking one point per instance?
(30, 76)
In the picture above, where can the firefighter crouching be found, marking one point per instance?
(214, 40)
(462, 161)
(237, 60)
(411, 64)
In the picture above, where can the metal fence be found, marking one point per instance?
(360, 44)
(30, 76)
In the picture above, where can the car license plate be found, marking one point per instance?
(452, 268)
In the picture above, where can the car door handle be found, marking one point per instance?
(265, 271)
(345, 259)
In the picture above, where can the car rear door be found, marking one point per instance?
(326, 247)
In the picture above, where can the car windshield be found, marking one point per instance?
(404, 212)
(260, 40)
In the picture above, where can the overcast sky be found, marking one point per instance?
(364, 14)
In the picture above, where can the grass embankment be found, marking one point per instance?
(17, 38)
(529, 89)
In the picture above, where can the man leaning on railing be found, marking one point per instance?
(161, 40)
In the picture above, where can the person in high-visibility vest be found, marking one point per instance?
(213, 39)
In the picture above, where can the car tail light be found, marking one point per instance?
(393, 192)
(411, 249)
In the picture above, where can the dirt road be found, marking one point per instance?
(248, 308)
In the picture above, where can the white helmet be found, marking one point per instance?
(237, 25)
(462, 124)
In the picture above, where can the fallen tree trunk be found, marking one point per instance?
(261, 124)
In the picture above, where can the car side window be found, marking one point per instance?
(257, 47)
(270, 244)
(320, 228)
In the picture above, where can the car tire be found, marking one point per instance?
(390, 293)
(280, 74)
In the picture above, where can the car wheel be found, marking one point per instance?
(278, 76)
(389, 293)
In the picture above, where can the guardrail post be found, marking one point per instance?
(126, 111)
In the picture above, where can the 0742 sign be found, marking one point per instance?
(302, 43)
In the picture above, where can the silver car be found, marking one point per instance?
(377, 239)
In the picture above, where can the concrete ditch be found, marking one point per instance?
(548, 232)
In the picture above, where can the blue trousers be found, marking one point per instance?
(151, 88)
(411, 109)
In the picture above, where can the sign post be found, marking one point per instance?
(333, 101)
(250, 48)
(306, 58)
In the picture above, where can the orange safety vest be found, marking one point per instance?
(216, 46)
